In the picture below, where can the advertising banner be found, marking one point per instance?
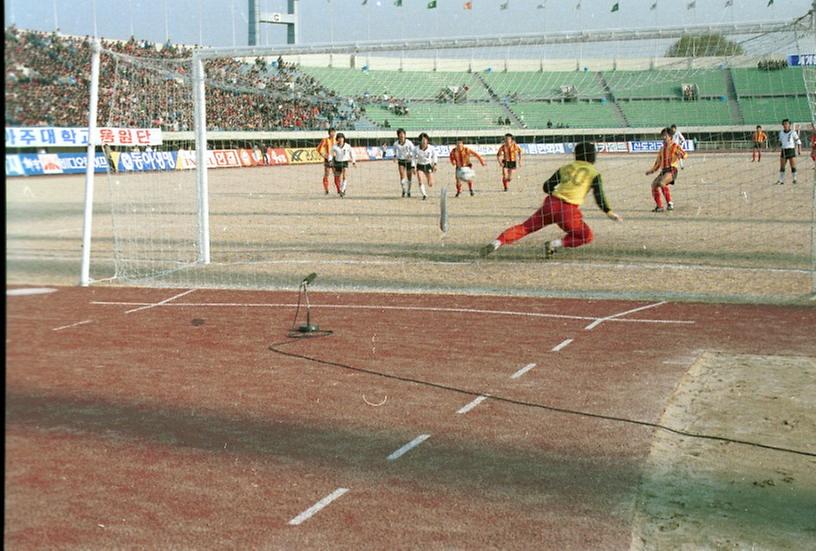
(34, 164)
(276, 156)
(74, 137)
(303, 155)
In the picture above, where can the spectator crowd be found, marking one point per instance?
(143, 84)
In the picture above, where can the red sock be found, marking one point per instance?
(458, 187)
(657, 198)
(337, 183)
(667, 193)
(505, 181)
(325, 183)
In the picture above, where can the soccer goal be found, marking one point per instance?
(238, 195)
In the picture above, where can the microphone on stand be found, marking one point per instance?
(308, 327)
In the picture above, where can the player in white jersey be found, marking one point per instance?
(404, 156)
(679, 139)
(425, 159)
(341, 155)
(788, 140)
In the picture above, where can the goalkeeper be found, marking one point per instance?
(566, 190)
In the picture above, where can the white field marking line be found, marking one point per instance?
(408, 447)
(384, 307)
(163, 302)
(311, 511)
(562, 346)
(522, 371)
(599, 321)
(83, 322)
(467, 407)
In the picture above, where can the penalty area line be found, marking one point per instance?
(472, 404)
(408, 447)
(314, 509)
(60, 328)
(161, 303)
(599, 321)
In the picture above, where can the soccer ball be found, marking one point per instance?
(465, 174)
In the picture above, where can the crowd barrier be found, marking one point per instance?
(38, 164)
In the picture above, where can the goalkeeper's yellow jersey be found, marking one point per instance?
(574, 181)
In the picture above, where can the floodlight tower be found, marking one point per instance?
(290, 19)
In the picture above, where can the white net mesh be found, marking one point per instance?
(732, 233)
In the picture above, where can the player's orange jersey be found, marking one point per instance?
(460, 158)
(760, 136)
(509, 152)
(325, 147)
(669, 157)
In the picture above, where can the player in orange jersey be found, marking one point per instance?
(460, 159)
(760, 139)
(509, 157)
(325, 151)
(667, 160)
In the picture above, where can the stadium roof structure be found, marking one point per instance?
(804, 24)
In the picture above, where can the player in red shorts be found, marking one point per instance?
(667, 160)
(566, 190)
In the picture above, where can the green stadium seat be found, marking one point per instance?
(573, 114)
(660, 113)
(529, 85)
(773, 110)
(755, 82)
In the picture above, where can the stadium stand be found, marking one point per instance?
(529, 85)
(659, 113)
(773, 110)
(756, 82)
(46, 85)
(665, 83)
(433, 116)
(568, 114)
(409, 85)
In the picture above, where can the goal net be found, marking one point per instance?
(259, 214)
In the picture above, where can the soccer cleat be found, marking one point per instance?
(549, 251)
(457, 193)
(327, 192)
(403, 193)
(794, 180)
(472, 193)
(780, 183)
(658, 209)
(424, 197)
(670, 206)
(487, 249)
(408, 195)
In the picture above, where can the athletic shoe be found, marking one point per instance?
(457, 194)
(472, 193)
(342, 194)
(794, 180)
(548, 250)
(670, 206)
(327, 192)
(409, 195)
(658, 209)
(487, 249)
(505, 189)
(403, 193)
(424, 197)
(780, 183)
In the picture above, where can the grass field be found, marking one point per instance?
(733, 236)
